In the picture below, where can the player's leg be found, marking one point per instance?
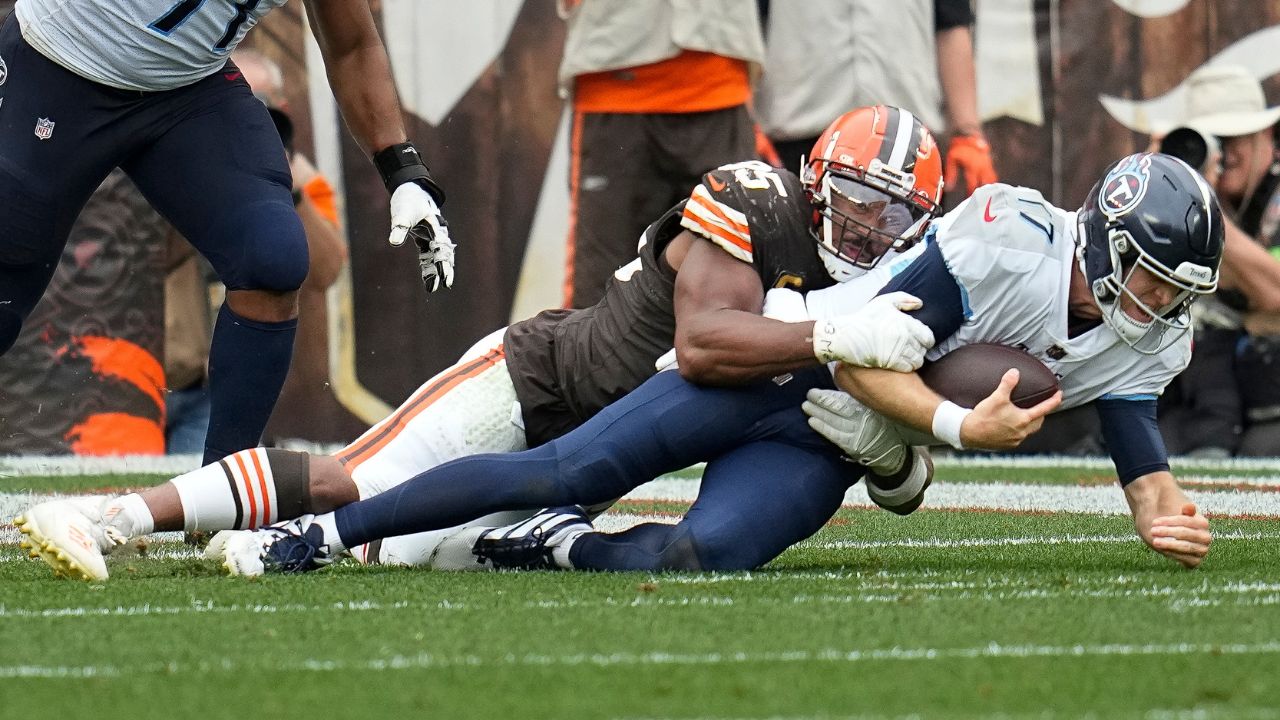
(665, 424)
(220, 175)
(754, 501)
(465, 409)
(468, 409)
(58, 141)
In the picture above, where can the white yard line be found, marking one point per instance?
(428, 661)
(1096, 500)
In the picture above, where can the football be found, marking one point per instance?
(970, 373)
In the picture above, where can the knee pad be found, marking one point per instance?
(269, 251)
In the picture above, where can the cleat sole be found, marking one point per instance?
(40, 547)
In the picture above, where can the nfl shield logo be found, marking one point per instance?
(44, 128)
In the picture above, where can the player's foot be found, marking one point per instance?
(285, 547)
(531, 544)
(903, 491)
(70, 537)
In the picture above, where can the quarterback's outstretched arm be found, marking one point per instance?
(1162, 515)
(1166, 520)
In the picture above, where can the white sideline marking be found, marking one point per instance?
(420, 661)
(1095, 500)
(66, 465)
(864, 588)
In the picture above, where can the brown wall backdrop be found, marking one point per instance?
(491, 153)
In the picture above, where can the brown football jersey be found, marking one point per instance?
(568, 364)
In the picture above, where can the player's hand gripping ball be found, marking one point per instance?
(968, 374)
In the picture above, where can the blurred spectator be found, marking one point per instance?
(1233, 370)
(825, 57)
(660, 91)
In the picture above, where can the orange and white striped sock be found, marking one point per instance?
(244, 490)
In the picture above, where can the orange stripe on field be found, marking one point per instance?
(262, 483)
(244, 480)
(413, 409)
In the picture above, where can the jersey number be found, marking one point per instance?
(179, 13)
(755, 175)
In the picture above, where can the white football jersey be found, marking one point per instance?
(141, 45)
(1012, 253)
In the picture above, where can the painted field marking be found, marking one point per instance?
(426, 661)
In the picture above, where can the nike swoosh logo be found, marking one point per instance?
(715, 183)
(231, 76)
(986, 213)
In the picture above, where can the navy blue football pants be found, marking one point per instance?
(207, 157)
(770, 481)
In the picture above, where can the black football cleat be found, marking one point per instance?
(529, 544)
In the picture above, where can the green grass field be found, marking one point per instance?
(1038, 608)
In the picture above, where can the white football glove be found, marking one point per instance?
(786, 305)
(860, 432)
(414, 213)
(877, 335)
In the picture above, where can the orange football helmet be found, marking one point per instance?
(874, 179)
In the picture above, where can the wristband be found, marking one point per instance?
(401, 163)
(947, 420)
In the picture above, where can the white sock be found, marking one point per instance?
(560, 548)
(130, 515)
(237, 493)
(332, 541)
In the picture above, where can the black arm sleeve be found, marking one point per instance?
(1132, 436)
(951, 13)
(929, 279)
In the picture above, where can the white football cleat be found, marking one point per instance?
(454, 553)
(70, 537)
(240, 551)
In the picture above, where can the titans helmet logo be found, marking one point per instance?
(1124, 187)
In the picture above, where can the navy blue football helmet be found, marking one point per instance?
(1150, 211)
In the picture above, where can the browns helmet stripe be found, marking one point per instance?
(892, 121)
(912, 144)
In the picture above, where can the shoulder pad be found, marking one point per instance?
(999, 226)
(734, 201)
